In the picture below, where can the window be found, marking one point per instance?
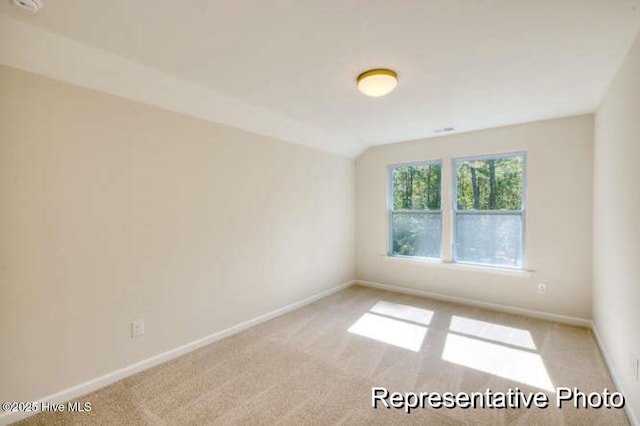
(414, 209)
(489, 210)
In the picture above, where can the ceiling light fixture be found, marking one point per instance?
(377, 82)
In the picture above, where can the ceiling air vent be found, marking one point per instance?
(29, 6)
(443, 130)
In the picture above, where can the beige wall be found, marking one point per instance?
(112, 210)
(558, 222)
(616, 289)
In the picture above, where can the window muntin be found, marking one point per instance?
(489, 210)
(415, 209)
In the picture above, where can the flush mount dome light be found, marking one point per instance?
(377, 82)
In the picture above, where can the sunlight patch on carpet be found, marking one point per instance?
(391, 331)
(495, 332)
(510, 363)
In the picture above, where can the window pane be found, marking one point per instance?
(416, 234)
(416, 187)
(490, 184)
(490, 239)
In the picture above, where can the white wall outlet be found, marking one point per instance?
(635, 366)
(137, 328)
(542, 288)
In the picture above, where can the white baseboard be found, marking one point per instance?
(109, 378)
(470, 302)
(633, 418)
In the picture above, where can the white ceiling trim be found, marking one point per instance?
(33, 49)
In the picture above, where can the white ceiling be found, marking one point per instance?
(289, 67)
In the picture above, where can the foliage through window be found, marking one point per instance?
(489, 210)
(415, 215)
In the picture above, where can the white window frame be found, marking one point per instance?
(455, 212)
(391, 211)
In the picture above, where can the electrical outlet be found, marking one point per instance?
(137, 328)
(542, 288)
(635, 366)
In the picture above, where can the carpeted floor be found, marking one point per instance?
(317, 365)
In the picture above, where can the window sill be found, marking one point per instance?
(459, 266)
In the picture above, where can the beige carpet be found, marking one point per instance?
(306, 367)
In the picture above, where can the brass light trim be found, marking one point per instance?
(377, 82)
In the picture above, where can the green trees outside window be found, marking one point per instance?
(415, 214)
(490, 184)
(488, 210)
(417, 187)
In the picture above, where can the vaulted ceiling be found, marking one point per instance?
(287, 68)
